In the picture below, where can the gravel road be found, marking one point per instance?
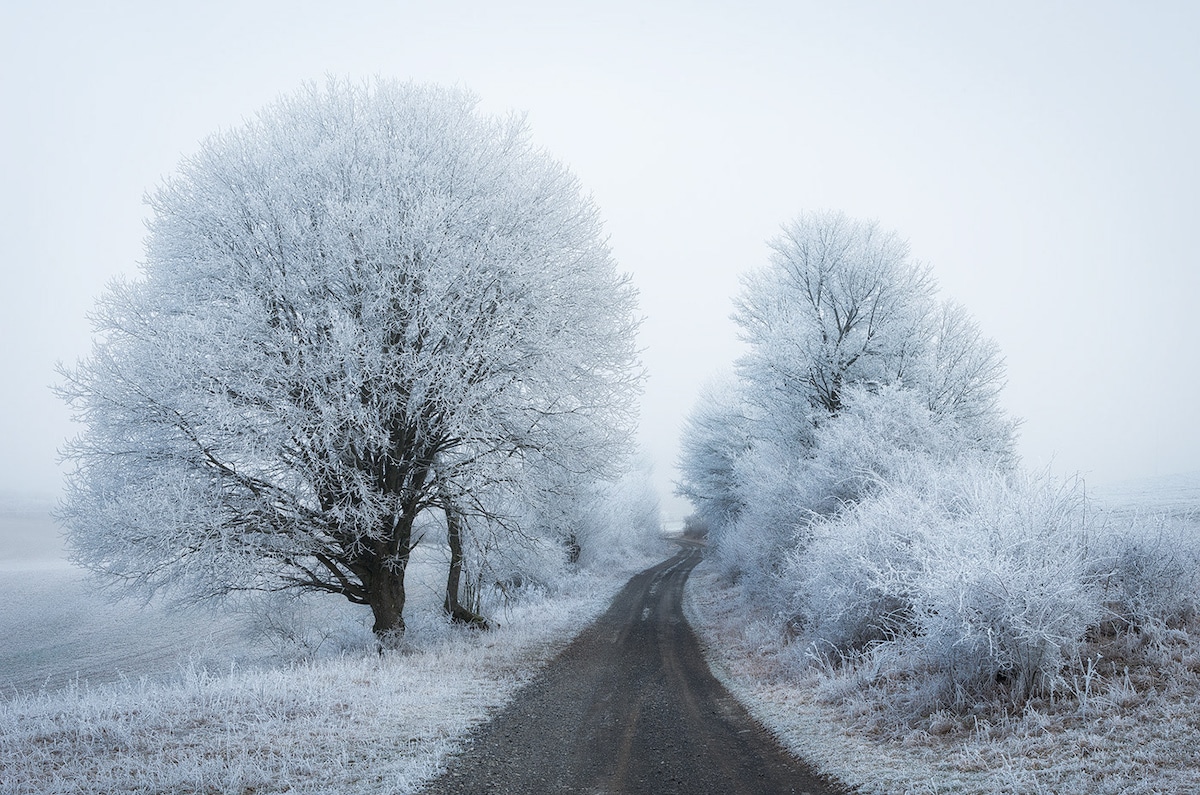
(629, 707)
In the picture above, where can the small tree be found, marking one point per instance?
(716, 436)
(841, 305)
(353, 307)
(962, 377)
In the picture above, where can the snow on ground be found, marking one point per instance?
(1168, 494)
(60, 627)
(28, 536)
(104, 697)
(359, 723)
(1127, 725)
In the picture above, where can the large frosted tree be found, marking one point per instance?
(850, 354)
(362, 304)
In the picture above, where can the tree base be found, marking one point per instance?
(461, 615)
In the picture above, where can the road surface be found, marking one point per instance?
(629, 707)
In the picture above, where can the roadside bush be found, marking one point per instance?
(622, 520)
(1001, 616)
(750, 550)
(882, 436)
(1148, 569)
(972, 583)
(305, 627)
(853, 585)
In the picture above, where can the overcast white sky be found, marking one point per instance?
(1041, 156)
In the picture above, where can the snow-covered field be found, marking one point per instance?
(1168, 494)
(117, 697)
(1126, 722)
(59, 627)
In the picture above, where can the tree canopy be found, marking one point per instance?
(851, 361)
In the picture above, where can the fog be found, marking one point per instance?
(1041, 157)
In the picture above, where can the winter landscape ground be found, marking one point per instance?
(106, 697)
(300, 709)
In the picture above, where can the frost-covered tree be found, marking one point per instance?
(961, 380)
(716, 437)
(839, 303)
(356, 307)
(853, 370)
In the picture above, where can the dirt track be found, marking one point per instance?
(629, 707)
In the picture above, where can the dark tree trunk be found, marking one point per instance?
(458, 613)
(386, 597)
(385, 589)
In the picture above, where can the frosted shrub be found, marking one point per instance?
(305, 627)
(972, 580)
(751, 550)
(1002, 618)
(1006, 600)
(1149, 570)
(880, 437)
(884, 436)
(854, 584)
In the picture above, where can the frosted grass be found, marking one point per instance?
(356, 723)
(1121, 732)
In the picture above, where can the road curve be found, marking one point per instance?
(629, 707)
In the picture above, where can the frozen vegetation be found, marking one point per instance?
(357, 722)
(1102, 628)
(895, 595)
(373, 393)
(107, 697)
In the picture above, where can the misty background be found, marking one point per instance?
(1040, 156)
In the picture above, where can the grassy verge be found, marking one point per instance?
(1126, 724)
(355, 723)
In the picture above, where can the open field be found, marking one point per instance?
(61, 627)
(358, 723)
